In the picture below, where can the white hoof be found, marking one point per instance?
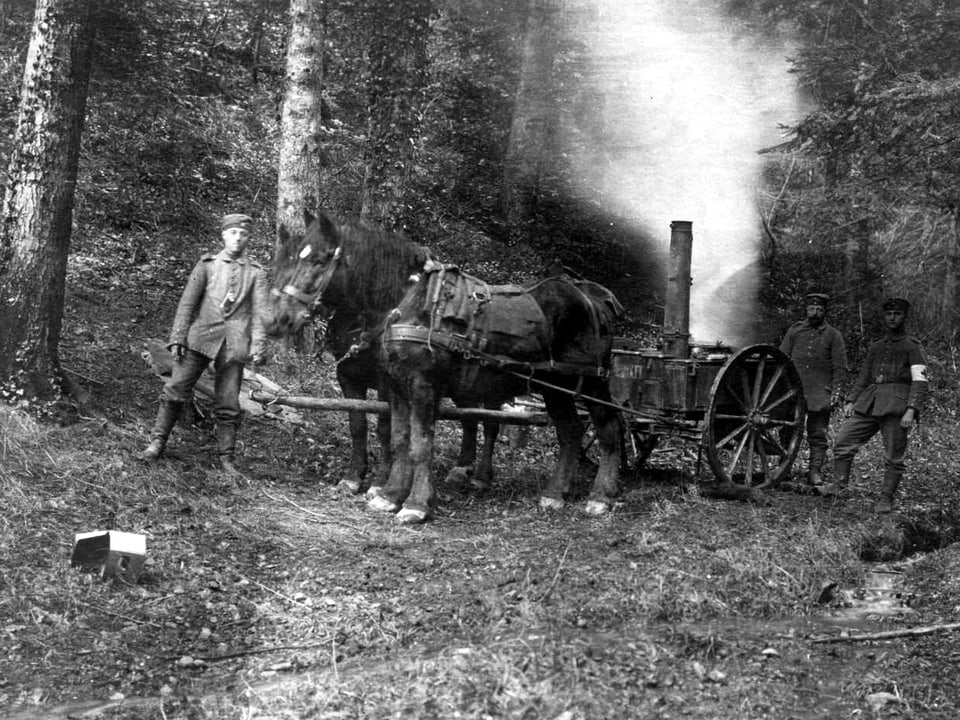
(596, 507)
(548, 503)
(381, 504)
(373, 491)
(406, 516)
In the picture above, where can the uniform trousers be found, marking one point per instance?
(226, 387)
(817, 423)
(859, 428)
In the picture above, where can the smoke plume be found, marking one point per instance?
(681, 100)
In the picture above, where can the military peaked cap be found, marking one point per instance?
(817, 299)
(236, 220)
(896, 304)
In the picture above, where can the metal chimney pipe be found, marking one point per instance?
(676, 311)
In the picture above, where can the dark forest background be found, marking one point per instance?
(185, 98)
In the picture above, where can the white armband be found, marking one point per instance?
(918, 373)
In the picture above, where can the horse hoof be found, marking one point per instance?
(381, 504)
(549, 503)
(373, 491)
(406, 516)
(596, 508)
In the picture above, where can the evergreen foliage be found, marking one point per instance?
(872, 180)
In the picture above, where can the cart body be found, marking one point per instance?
(745, 408)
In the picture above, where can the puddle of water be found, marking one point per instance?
(882, 595)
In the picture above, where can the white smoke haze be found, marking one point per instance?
(685, 99)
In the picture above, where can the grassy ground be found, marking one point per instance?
(286, 598)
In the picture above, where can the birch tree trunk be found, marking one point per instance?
(37, 211)
(299, 165)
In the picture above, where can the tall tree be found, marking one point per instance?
(534, 115)
(397, 77)
(38, 204)
(301, 121)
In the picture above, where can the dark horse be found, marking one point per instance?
(454, 335)
(358, 274)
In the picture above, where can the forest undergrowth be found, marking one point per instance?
(287, 598)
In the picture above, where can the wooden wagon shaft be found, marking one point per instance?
(381, 408)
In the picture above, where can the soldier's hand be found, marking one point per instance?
(259, 359)
(908, 417)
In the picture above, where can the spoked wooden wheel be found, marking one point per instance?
(755, 420)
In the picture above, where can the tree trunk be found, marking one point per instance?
(399, 31)
(534, 115)
(950, 315)
(37, 209)
(857, 273)
(298, 180)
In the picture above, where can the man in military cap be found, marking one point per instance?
(817, 351)
(220, 320)
(887, 396)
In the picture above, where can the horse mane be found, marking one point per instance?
(380, 262)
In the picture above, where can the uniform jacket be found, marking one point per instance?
(893, 377)
(820, 357)
(216, 310)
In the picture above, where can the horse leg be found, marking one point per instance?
(424, 404)
(461, 473)
(389, 497)
(386, 452)
(609, 432)
(358, 433)
(563, 413)
(483, 477)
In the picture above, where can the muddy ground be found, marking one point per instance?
(287, 598)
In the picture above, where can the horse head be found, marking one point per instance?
(304, 269)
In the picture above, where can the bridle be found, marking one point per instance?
(311, 300)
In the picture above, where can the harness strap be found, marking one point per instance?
(403, 332)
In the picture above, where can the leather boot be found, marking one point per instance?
(167, 416)
(891, 481)
(226, 447)
(841, 474)
(817, 455)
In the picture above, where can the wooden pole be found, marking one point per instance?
(887, 634)
(381, 408)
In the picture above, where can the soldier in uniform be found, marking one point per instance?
(887, 397)
(219, 319)
(817, 351)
